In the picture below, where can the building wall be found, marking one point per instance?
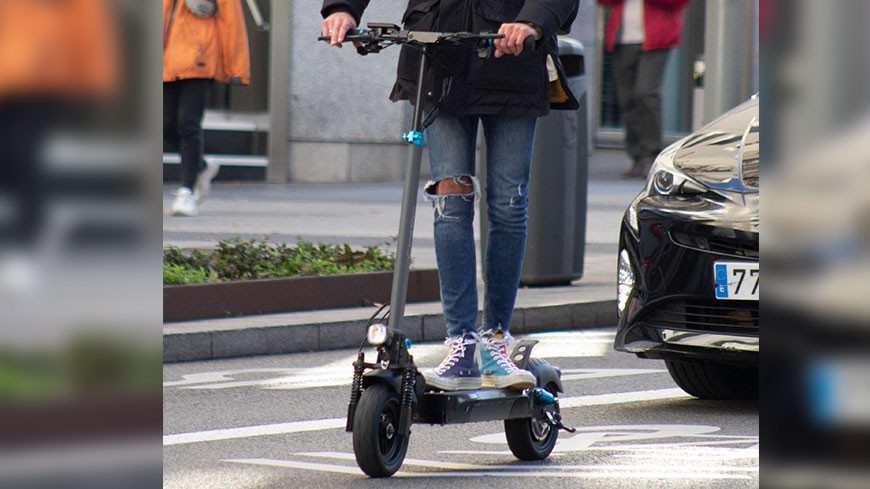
(343, 127)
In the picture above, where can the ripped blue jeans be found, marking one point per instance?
(452, 142)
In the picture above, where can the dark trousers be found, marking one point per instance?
(24, 127)
(183, 106)
(639, 76)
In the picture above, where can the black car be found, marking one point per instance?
(688, 275)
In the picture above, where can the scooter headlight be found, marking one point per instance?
(378, 334)
(625, 282)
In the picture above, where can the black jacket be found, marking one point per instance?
(510, 85)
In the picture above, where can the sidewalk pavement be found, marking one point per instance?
(365, 214)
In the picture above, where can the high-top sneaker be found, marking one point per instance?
(459, 369)
(497, 369)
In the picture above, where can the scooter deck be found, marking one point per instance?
(473, 406)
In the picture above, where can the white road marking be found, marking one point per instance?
(622, 397)
(324, 424)
(253, 431)
(588, 472)
(437, 464)
(691, 452)
(224, 376)
(600, 373)
(587, 436)
(572, 348)
(336, 374)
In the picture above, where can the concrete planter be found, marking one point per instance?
(94, 418)
(249, 297)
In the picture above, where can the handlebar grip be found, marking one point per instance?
(351, 35)
(529, 43)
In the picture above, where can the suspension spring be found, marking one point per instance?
(356, 383)
(355, 389)
(407, 387)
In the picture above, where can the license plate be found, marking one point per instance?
(736, 280)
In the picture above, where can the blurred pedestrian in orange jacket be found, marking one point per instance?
(57, 49)
(197, 50)
(55, 57)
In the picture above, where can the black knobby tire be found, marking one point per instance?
(530, 438)
(715, 381)
(377, 445)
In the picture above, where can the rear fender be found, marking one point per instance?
(542, 370)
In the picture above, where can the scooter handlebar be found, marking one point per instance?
(393, 35)
(351, 36)
(380, 36)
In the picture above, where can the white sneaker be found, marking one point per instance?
(185, 203)
(19, 273)
(203, 181)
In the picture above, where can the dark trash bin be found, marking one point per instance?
(557, 191)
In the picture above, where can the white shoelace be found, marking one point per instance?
(498, 349)
(504, 361)
(457, 351)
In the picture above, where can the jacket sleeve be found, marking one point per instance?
(233, 39)
(671, 4)
(355, 7)
(549, 15)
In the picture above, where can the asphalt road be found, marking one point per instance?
(278, 421)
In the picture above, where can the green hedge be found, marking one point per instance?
(238, 259)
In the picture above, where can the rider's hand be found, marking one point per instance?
(515, 34)
(336, 26)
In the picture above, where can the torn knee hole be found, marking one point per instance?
(459, 186)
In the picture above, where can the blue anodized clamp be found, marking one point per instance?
(413, 137)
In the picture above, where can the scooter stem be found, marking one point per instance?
(409, 207)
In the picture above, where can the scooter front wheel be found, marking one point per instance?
(377, 444)
(531, 438)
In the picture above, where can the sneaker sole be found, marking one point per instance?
(183, 214)
(448, 384)
(507, 381)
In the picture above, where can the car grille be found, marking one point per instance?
(707, 239)
(732, 317)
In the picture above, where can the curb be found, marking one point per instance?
(297, 338)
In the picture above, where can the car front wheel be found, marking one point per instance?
(714, 381)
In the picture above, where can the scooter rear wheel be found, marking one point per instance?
(377, 444)
(531, 438)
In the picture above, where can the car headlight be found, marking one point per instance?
(378, 334)
(672, 183)
(625, 282)
(665, 181)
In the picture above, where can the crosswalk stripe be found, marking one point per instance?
(325, 424)
(622, 397)
(252, 431)
(609, 472)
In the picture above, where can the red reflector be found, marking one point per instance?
(656, 229)
(646, 262)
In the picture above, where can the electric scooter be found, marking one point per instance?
(389, 395)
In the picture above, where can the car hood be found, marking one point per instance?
(724, 154)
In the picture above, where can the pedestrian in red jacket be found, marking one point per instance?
(640, 34)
